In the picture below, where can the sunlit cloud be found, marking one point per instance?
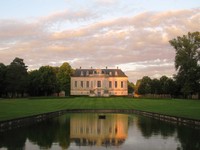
(106, 2)
(68, 15)
(137, 44)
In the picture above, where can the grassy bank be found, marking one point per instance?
(15, 108)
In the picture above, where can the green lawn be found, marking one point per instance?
(15, 108)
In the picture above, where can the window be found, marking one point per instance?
(81, 73)
(115, 84)
(82, 84)
(75, 84)
(98, 130)
(88, 84)
(91, 84)
(105, 91)
(122, 84)
(116, 130)
(81, 130)
(87, 73)
(110, 84)
(116, 73)
(87, 130)
(98, 83)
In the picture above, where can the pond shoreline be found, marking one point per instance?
(23, 121)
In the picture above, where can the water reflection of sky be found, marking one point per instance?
(136, 140)
(156, 142)
(88, 131)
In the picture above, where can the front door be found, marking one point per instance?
(99, 93)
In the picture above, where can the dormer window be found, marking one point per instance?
(110, 73)
(116, 73)
(81, 73)
(87, 73)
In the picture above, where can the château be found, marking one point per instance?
(99, 82)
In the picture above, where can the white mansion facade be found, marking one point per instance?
(99, 82)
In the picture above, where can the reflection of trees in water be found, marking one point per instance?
(48, 132)
(13, 140)
(44, 134)
(57, 130)
(189, 139)
(149, 127)
(63, 132)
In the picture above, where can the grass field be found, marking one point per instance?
(15, 108)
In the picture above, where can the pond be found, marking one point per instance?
(85, 131)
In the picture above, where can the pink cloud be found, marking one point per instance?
(122, 41)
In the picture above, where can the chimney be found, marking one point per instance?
(106, 67)
(80, 67)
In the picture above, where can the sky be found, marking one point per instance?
(130, 34)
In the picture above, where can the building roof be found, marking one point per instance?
(98, 72)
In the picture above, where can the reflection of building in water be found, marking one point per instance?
(88, 129)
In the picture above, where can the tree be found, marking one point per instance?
(171, 87)
(187, 62)
(34, 83)
(17, 78)
(57, 84)
(137, 86)
(2, 79)
(131, 87)
(163, 83)
(47, 80)
(168, 86)
(145, 85)
(155, 86)
(63, 77)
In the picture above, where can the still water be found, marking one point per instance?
(85, 131)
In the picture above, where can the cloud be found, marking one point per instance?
(137, 44)
(68, 15)
(15, 30)
(106, 2)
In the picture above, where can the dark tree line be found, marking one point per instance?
(162, 86)
(13, 78)
(43, 134)
(16, 81)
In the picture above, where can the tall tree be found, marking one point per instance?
(47, 80)
(131, 87)
(145, 85)
(164, 86)
(34, 83)
(155, 86)
(171, 87)
(17, 77)
(57, 84)
(137, 86)
(63, 77)
(187, 62)
(2, 79)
